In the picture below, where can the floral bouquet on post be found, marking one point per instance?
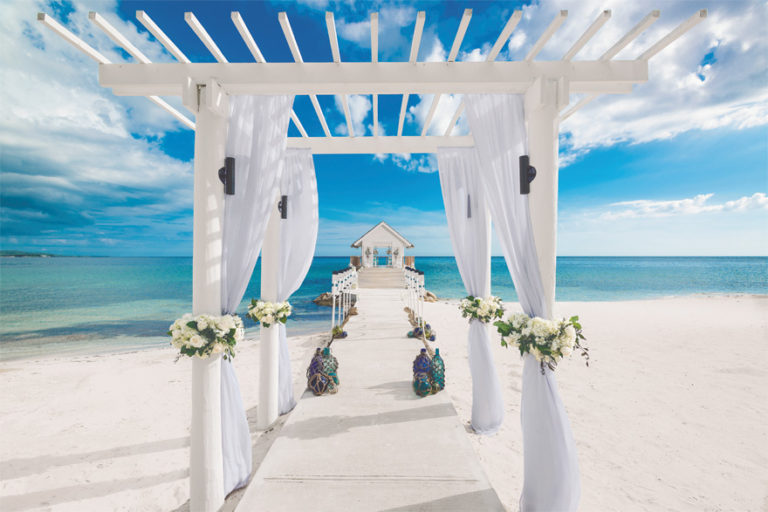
(546, 340)
(267, 313)
(203, 335)
(483, 310)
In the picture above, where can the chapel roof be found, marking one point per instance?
(359, 241)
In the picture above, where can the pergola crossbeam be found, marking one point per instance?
(203, 35)
(374, 78)
(504, 36)
(587, 35)
(298, 124)
(334, 40)
(242, 29)
(582, 102)
(378, 145)
(674, 35)
(630, 36)
(118, 38)
(157, 100)
(454, 119)
(463, 24)
(547, 35)
(101, 59)
(245, 34)
(415, 44)
(71, 38)
(294, 47)
(375, 58)
(156, 31)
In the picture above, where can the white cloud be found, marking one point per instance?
(688, 206)
(426, 163)
(71, 149)
(359, 108)
(393, 21)
(681, 93)
(694, 226)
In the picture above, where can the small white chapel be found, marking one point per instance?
(382, 246)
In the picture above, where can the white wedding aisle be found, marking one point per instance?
(374, 445)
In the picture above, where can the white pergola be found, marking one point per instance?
(204, 89)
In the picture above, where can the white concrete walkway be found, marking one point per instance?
(375, 445)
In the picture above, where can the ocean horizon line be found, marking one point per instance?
(148, 256)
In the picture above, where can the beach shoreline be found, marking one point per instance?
(131, 347)
(669, 415)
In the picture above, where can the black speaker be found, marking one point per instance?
(227, 175)
(527, 174)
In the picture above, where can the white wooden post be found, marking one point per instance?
(542, 104)
(267, 410)
(206, 471)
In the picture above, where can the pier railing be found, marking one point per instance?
(342, 283)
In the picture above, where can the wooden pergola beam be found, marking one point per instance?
(378, 145)
(203, 35)
(463, 24)
(156, 31)
(294, 47)
(418, 30)
(245, 34)
(651, 18)
(547, 35)
(375, 58)
(603, 77)
(587, 35)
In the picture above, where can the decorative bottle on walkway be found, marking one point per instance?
(422, 385)
(317, 381)
(437, 372)
(330, 369)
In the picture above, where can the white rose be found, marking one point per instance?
(540, 327)
(566, 351)
(196, 341)
(227, 322)
(570, 334)
(518, 320)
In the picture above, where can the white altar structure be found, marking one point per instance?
(382, 246)
(241, 114)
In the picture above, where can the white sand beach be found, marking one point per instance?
(670, 415)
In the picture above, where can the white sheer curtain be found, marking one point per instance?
(551, 467)
(257, 137)
(469, 225)
(298, 234)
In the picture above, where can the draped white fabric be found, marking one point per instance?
(551, 468)
(298, 234)
(471, 238)
(257, 138)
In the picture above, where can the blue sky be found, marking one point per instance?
(678, 167)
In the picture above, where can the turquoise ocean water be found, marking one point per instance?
(91, 305)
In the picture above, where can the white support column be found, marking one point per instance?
(206, 472)
(267, 410)
(542, 104)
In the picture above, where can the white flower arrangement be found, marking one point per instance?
(204, 335)
(267, 313)
(484, 310)
(546, 340)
